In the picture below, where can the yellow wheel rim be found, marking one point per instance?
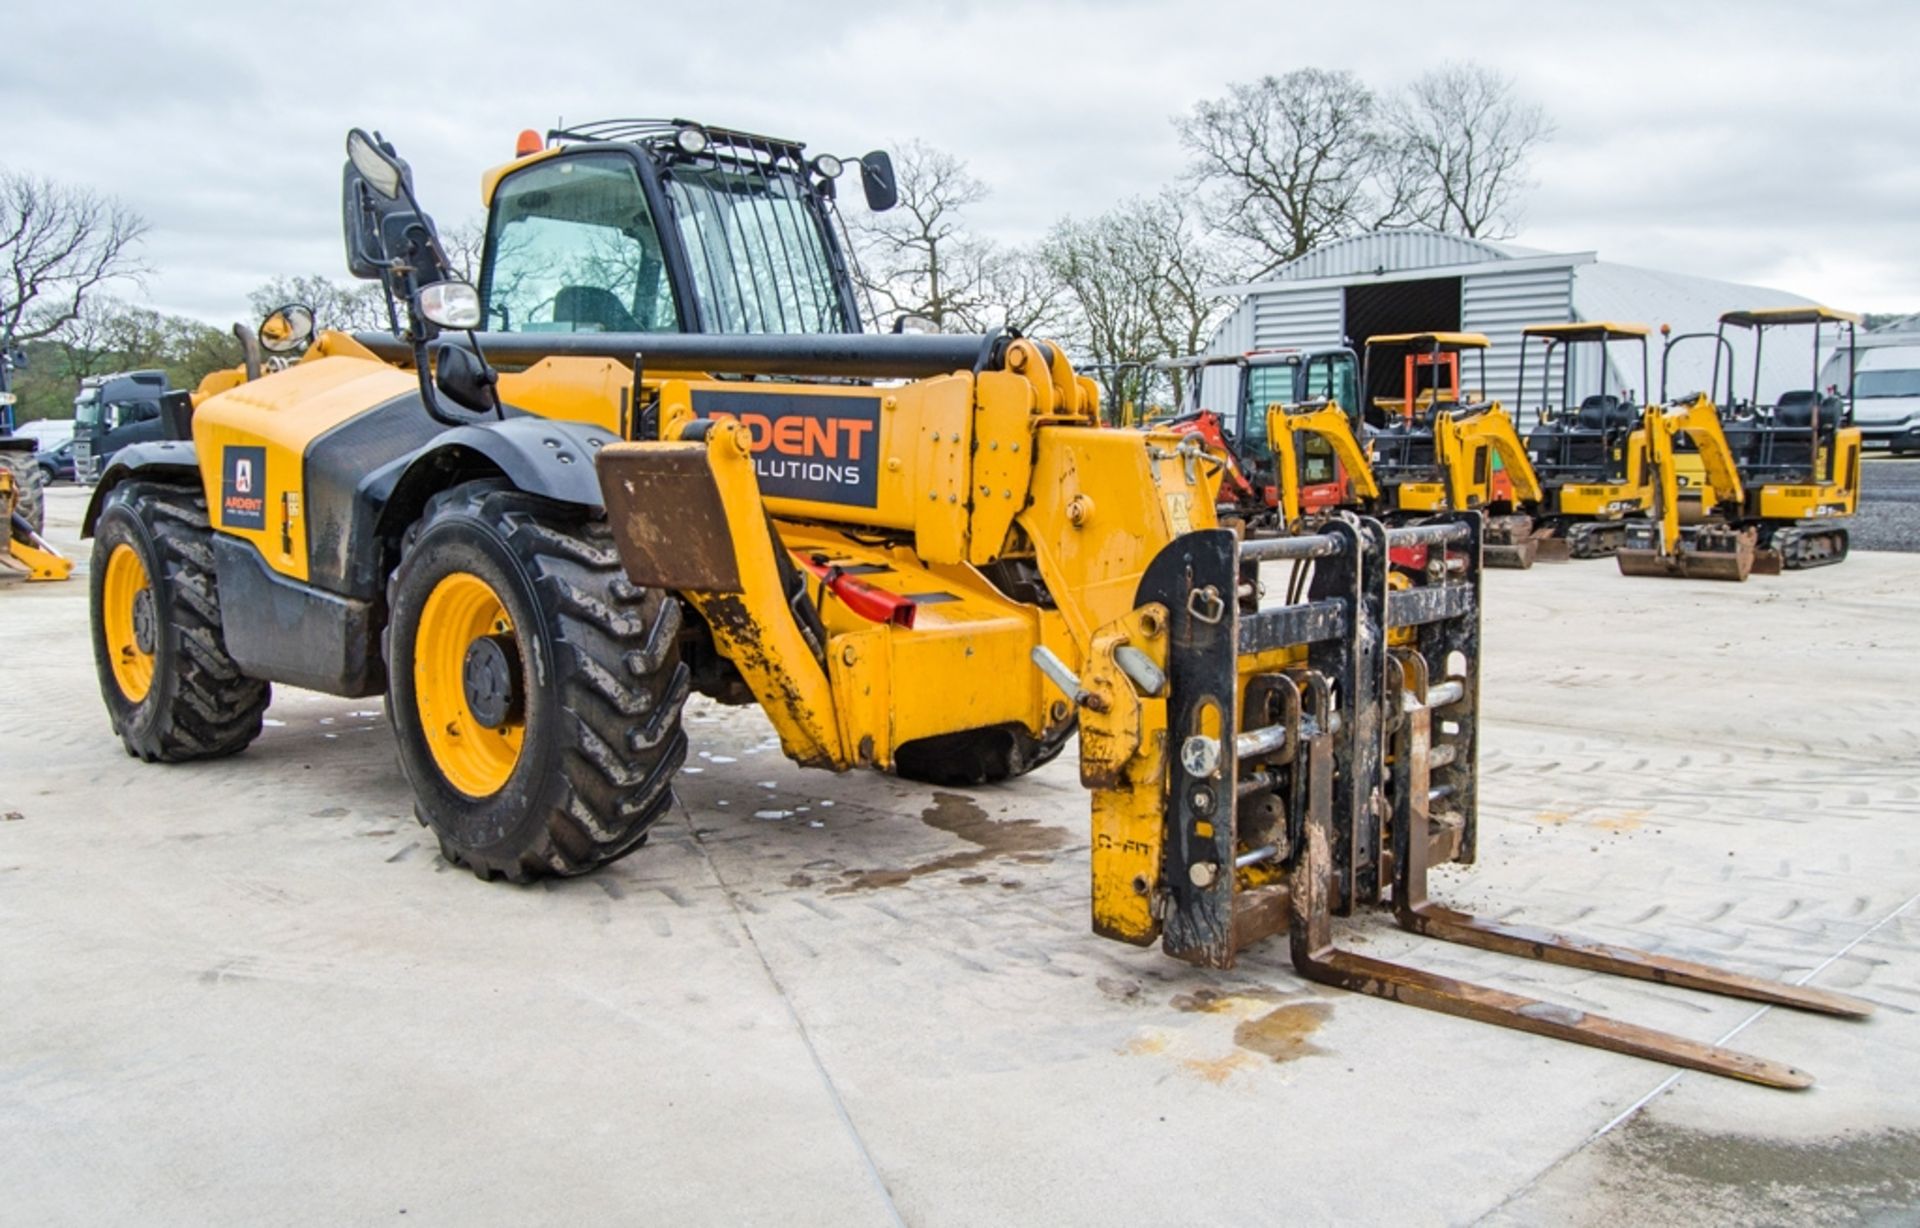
(126, 583)
(475, 759)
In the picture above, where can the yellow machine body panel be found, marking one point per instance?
(589, 390)
(1421, 497)
(1611, 500)
(1818, 500)
(962, 471)
(251, 441)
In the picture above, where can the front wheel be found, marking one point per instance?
(534, 690)
(171, 690)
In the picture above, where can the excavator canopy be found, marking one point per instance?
(1812, 313)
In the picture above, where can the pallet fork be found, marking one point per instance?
(1271, 825)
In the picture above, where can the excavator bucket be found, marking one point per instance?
(1553, 550)
(1320, 755)
(1511, 542)
(1705, 552)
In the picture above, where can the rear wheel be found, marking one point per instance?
(171, 690)
(978, 756)
(535, 691)
(29, 487)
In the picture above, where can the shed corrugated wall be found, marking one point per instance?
(1220, 385)
(1500, 304)
(1297, 319)
(1305, 318)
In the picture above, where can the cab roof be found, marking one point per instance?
(1763, 317)
(1463, 341)
(659, 135)
(1588, 330)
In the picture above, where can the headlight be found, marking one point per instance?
(828, 166)
(691, 140)
(451, 304)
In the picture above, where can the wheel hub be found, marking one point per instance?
(143, 628)
(490, 676)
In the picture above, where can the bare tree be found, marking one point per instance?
(1113, 309)
(345, 307)
(1137, 279)
(1467, 138)
(58, 245)
(464, 243)
(920, 258)
(1289, 160)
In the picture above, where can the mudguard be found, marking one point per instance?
(541, 456)
(172, 460)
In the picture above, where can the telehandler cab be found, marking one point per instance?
(1771, 478)
(918, 554)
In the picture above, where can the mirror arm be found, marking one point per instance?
(493, 385)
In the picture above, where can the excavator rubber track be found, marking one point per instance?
(1338, 782)
(1803, 546)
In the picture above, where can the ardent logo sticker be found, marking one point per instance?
(820, 448)
(243, 496)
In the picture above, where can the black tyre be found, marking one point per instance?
(171, 690)
(978, 756)
(534, 690)
(29, 487)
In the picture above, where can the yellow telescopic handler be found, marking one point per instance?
(651, 453)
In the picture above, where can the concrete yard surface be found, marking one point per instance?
(251, 992)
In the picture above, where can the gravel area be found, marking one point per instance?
(1889, 516)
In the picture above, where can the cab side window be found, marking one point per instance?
(126, 413)
(571, 248)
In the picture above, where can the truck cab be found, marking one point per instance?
(111, 412)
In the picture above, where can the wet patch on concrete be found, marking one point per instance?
(1022, 840)
(1658, 1173)
(1220, 1002)
(1281, 1034)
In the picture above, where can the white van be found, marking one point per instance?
(1886, 388)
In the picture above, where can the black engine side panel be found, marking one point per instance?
(349, 472)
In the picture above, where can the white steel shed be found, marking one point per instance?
(1398, 281)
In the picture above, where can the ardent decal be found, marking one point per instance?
(243, 488)
(820, 448)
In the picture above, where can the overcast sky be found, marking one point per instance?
(1770, 143)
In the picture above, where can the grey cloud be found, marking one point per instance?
(1760, 142)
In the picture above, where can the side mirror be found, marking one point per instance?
(383, 171)
(287, 329)
(876, 177)
(464, 378)
(910, 323)
(374, 192)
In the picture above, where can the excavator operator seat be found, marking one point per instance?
(1605, 412)
(1795, 410)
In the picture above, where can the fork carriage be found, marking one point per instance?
(1320, 756)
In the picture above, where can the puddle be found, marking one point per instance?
(959, 815)
(1281, 1033)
